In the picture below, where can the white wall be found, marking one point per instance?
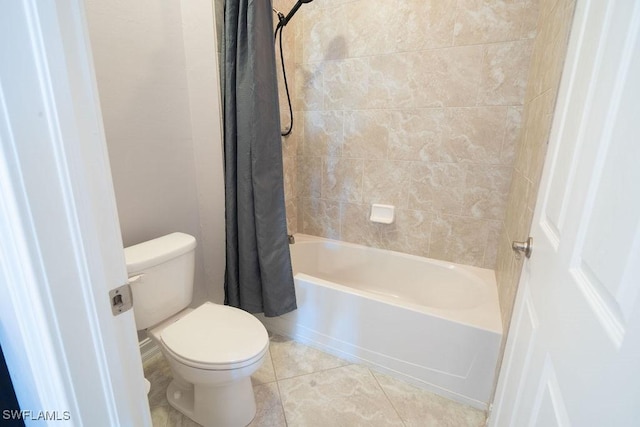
(158, 80)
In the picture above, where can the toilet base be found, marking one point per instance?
(226, 405)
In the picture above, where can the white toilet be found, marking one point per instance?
(212, 350)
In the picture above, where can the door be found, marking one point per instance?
(69, 357)
(573, 353)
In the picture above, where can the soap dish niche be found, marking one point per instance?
(383, 214)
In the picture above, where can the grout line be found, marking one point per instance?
(284, 413)
(275, 374)
(387, 396)
(318, 371)
(415, 50)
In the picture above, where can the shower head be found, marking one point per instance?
(284, 20)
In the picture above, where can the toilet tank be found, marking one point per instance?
(161, 277)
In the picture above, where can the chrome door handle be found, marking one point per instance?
(525, 247)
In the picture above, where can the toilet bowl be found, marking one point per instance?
(212, 350)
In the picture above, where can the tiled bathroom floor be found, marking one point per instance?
(301, 386)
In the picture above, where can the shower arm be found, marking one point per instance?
(284, 20)
(280, 15)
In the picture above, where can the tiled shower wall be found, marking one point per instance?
(544, 79)
(414, 103)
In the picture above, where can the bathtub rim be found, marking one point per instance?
(487, 276)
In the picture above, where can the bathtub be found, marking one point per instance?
(432, 323)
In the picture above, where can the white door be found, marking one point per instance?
(573, 353)
(60, 247)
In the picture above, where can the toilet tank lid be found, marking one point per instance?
(153, 252)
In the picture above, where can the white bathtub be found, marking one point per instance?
(432, 323)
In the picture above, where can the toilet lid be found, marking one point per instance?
(214, 334)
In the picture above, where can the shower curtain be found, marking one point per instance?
(258, 276)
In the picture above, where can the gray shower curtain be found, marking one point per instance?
(258, 276)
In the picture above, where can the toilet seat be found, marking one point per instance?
(216, 337)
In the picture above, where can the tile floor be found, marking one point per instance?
(301, 386)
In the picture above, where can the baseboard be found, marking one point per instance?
(148, 349)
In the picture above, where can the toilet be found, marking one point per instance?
(212, 350)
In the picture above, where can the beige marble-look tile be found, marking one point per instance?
(485, 203)
(502, 260)
(529, 19)
(290, 172)
(533, 125)
(309, 86)
(450, 77)
(321, 217)
(507, 276)
(505, 67)
(386, 182)
(342, 179)
(394, 81)
(297, 28)
(357, 228)
(323, 131)
(300, 219)
(483, 21)
(513, 136)
(331, 3)
(363, 35)
(291, 208)
(346, 396)
(412, 232)
(155, 364)
(475, 134)
(538, 61)
(309, 176)
(324, 33)
(547, 6)
(437, 187)
(416, 134)
(265, 374)
(424, 24)
(157, 371)
(421, 408)
(291, 142)
(269, 411)
(493, 240)
(520, 163)
(487, 191)
(177, 419)
(534, 148)
(459, 239)
(366, 134)
(555, 47)
(292, 359)
(517, 206)
(160, 415)
(346, 85)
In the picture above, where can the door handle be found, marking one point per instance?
(525, 247)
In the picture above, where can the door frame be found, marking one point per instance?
(60, 245)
